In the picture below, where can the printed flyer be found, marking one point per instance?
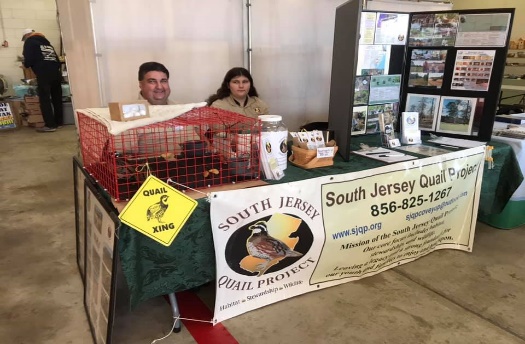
(477, 30)
(472, 70)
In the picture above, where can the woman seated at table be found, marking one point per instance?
(238, 94)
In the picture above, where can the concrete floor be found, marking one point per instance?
(445, 297)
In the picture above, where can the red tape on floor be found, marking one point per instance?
(191, 306)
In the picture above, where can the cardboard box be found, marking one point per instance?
(37, 125)
(128, 111)
(28, 73)
(32, 106)
(33, 112)
(31, 99)
(34, 119)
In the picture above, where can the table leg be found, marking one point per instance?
(175, 310)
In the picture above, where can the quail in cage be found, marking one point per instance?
(263, 246)
(158, 209)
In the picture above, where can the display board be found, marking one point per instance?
(454, 68)
(377, 79)
(445, 65)
(100, 263)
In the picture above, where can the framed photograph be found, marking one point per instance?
(359, 117)
(80, 176)
(101, 239)
(427, 106)
(456, 115)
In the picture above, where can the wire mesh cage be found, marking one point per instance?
(201, 148)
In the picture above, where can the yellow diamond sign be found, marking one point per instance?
(158, 211)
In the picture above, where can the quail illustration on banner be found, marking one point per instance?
(263, 246)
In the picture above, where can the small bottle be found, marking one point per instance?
(274, 137)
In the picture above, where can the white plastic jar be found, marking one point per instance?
(274, 137)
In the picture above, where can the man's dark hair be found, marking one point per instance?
(150, 67)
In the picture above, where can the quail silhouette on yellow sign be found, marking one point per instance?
(158, 211)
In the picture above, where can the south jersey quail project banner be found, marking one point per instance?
(279, 241)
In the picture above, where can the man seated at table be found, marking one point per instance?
(154, 83)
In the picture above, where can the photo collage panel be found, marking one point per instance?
(439, 29)
(453, 29)
(376, 92)
(427, 68)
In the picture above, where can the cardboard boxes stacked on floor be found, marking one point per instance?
(30, 112)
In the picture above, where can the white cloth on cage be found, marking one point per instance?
(158, 113)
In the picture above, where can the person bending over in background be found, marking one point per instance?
(154, 83)
(238, 94)
(40, 56)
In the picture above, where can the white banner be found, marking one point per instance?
(275, 242)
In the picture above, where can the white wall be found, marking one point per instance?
(199, 41)
(406, 6)
(292, 57)
(40, 15)
(79, 47)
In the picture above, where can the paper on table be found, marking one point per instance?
(385, 155)
(424, 150)
(449, 141)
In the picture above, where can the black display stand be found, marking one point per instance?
(344, 70)
(344, 63)
(80, 176)
(483, 99)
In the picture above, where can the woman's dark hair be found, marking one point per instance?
(224, 91)
(152, 67)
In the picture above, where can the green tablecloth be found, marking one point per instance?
(152, 269)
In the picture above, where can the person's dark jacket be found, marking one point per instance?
(40, 55)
